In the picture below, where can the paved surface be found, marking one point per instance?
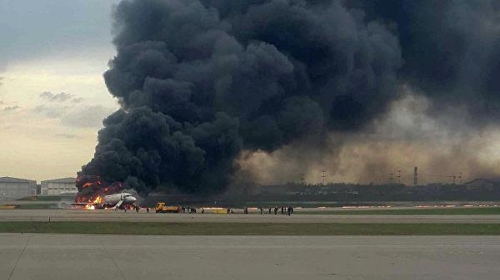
(142, 216)
(44, 257)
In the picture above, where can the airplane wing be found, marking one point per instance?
(78, 204)
(82, 205)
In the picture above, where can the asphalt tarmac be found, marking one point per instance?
(44, 257)
(142, 216)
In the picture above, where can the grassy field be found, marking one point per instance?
(424, 211)
(39, 206)
(247, 229)
(46, 198)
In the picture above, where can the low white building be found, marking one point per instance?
(13, 188)
(58, 186)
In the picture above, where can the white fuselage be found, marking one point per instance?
(113, 199)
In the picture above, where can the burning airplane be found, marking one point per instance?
(94, 193)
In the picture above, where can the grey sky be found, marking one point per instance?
(52, 94)
(42, 28)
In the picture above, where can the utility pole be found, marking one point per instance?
(415, 177)
(453, 177)
(323, 176)
(459, 178)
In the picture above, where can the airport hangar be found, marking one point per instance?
(15, 188)
(58, 186)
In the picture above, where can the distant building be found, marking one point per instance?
(58, 186)
(481, 183)
(13, 188)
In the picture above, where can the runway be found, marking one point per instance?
(44, 257)
(142, 216)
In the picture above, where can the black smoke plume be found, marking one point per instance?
(202, 81)
(451, 50)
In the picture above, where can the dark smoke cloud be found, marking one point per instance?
(404, 138)
(451, 50)
(144, 148)
(202, 82)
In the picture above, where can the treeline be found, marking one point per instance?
(336, 194)
(386, 192)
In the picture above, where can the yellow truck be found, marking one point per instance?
(161, 207)
(220, 210)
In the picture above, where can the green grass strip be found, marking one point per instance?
(434, 211)
(146, 228)
(39, 206)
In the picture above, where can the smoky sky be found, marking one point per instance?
(202, 81)
(451, 50)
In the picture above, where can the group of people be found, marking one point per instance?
(188, 209)
(130, 207)
(284, 210)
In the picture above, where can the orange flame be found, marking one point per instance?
(91, 205)
(98, 199)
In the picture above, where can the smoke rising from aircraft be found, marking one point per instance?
(205, 85)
